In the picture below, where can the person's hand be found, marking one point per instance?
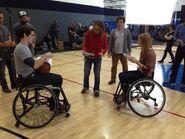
(100, 54)
(132, 59)
(48, 55)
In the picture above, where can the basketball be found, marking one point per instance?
(44, 69)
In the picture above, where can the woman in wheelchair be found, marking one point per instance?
(146, 64)
(26, 65)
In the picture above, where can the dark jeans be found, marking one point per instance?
(7, 61)
(129, 77)
(88, 61)
(179, 56)
(47, 79)
(168, 49)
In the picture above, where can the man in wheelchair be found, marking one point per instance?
(26, 65)
(146, 65)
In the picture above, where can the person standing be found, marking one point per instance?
(180, 54)
(5, 57)
(169, 37)
(94, 47)
(119, 43)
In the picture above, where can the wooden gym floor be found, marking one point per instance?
(97, 118)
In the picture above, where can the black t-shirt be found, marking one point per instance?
(170, 42)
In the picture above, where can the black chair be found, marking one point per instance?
(145, 97)
(32, 105)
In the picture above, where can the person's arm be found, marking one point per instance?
(86, 41)
(134, 60)
(129, 39)
(105, 45)
(41, 60)
(110, 44)
(168, 37)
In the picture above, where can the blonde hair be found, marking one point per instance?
(145, 43)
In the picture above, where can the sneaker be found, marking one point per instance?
(169, 82)
(111, 82)
(96, 93)
(6, 90)
(160, 61)
(84, 90)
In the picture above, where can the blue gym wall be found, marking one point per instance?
(44, 12)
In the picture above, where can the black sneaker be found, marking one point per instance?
(160, 61)
(111, 82)
(6, 90)
(169, 82)
(96, 93)
(84, 90)
(182, 85)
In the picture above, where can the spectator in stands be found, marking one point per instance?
(54, 33)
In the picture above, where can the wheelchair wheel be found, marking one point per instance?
(32, 106)
(146, 97)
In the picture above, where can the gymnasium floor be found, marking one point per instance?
(97, 118)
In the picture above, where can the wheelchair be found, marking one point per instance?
(32, 107)
(145, 97)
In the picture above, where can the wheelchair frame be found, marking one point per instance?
(143, 97)
(31, 106)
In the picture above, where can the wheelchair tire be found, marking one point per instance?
(31, 106)
(146, 97)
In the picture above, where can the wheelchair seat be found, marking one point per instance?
(36, 105)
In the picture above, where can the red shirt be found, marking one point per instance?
(95, 43)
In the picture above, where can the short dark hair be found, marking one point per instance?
(120, 18)
(26, 29)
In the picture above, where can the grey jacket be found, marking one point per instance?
(126, 41)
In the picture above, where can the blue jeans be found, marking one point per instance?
(88, 61)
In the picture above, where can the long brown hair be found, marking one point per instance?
(145, 43)
(101, 25)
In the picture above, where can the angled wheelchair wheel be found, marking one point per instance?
(146, 97)
(35, 106)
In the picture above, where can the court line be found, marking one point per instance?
(169, 112)
(13, 133)
(172, 113)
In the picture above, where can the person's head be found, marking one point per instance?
(120, 21)
(145, 42)
(98, 27)
(23, 16)
(27, 34)
(1, 18)
(171, 27)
